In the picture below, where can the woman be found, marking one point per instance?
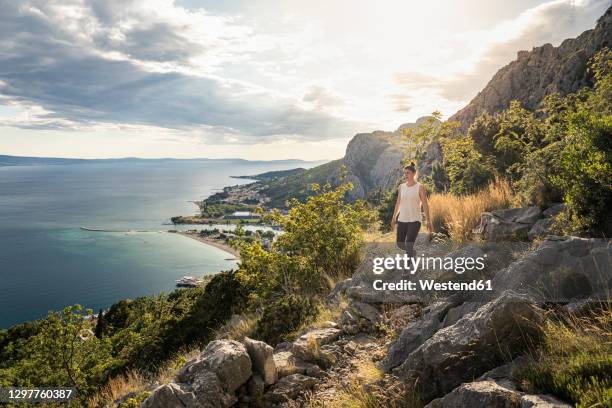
(407, 214)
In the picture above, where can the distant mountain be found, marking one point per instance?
(271, 175)
(40, 161)
(540, 72)
(372, 162)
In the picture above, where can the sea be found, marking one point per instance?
(48, 262)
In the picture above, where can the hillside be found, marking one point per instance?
(540, 72)
(372, 162)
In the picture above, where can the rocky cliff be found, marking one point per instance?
(540, 72)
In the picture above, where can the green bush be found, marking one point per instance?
(467, 169)
(283, 316)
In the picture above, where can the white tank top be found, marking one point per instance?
(410, 203)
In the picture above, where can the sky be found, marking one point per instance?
(255, 79)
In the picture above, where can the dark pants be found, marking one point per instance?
(406, 235)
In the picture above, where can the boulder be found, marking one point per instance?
(561, 269)
(262, 359)
(288, 388)
(415, 334)
(554, 209)
(287, 364)
(542, 401)
(507, 224)
(360, 317)
(307, 345)
(541, 228)
(227, 359)
(476, 343)
(478, 394)
(339, 290)
(172, 396)
(492, 394)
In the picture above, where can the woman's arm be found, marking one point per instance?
(425, 204)
(397, 206)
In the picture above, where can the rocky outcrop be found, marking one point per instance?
(507, 224)
(491, 394)
(287, 388)
(476, 343)
(540, 72)
(360, 317)
(261, 355)
(209, 381)
(561, 269)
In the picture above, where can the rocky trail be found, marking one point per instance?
(457, 350)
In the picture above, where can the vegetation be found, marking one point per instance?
(575, 361)
(133, 336)
(457, 216)
(322, 239)
(560, 152)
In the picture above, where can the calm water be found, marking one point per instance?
(48, 262)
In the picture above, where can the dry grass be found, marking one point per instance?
(457, 216)
(387, 392)
(238, 327)
(575, 361)
(117, 387)
(326, 313)
(137, 384)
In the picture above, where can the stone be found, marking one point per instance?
(262, 359)
(308, 344)
(540, 229)
(414, 334)
(476, 343)
(288, 388)
(287, 364)
(478, 394)
(560, 269)
(171, 396)
(554, 209)
(227, 359)
(542, 401)
(507, 224)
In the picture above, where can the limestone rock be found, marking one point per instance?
(540, 72)
(507, 224)
(288, 388)
(287, 364)
(171, 396)
(415, 334)
(560, 269)
(228, 359)
(476, 343)
(478, 394)
(261, 355)
(303, 346)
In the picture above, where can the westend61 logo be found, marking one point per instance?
(405, 264)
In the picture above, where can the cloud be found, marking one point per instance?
(551, 22)
(72, 64)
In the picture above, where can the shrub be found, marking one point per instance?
(575, 361)
(587, 170)
(283, 316)
(467, 169)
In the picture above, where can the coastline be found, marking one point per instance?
(211, 242)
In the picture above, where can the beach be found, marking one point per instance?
(212, 242)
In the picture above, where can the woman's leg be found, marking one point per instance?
(412, 231)
(400, 237)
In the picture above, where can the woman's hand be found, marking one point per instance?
(393, 223)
